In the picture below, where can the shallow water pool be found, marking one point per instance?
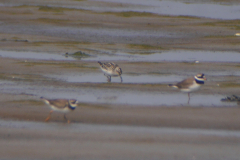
(119, 96)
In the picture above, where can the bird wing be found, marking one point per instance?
(60, 103)
(185, 83)
(110, 65)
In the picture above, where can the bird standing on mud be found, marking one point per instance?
(190, 84)
(60, 105)
(111, 69)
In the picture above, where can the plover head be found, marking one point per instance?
(73, 103)
(200, 78)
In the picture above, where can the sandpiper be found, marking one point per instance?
(111, 69)
(60, 105)
(190, 84)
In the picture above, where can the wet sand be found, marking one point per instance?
(107, 125)
(28, 140)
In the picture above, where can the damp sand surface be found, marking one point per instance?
(90, 141)
(62, 26)
(140, 118)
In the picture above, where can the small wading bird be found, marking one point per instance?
(60, 105)
(190, 84)
(111, 69)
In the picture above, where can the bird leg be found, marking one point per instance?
(49, 115)
(68, 121)
(188, 98)
(109, 78)
(121, 79)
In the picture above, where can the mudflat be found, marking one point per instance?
(140, 118)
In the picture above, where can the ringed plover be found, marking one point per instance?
(60, 105)
(190, 84)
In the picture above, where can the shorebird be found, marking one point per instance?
(60, 105)
(190, 84)
(111, 69)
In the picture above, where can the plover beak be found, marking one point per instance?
(205, 79)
